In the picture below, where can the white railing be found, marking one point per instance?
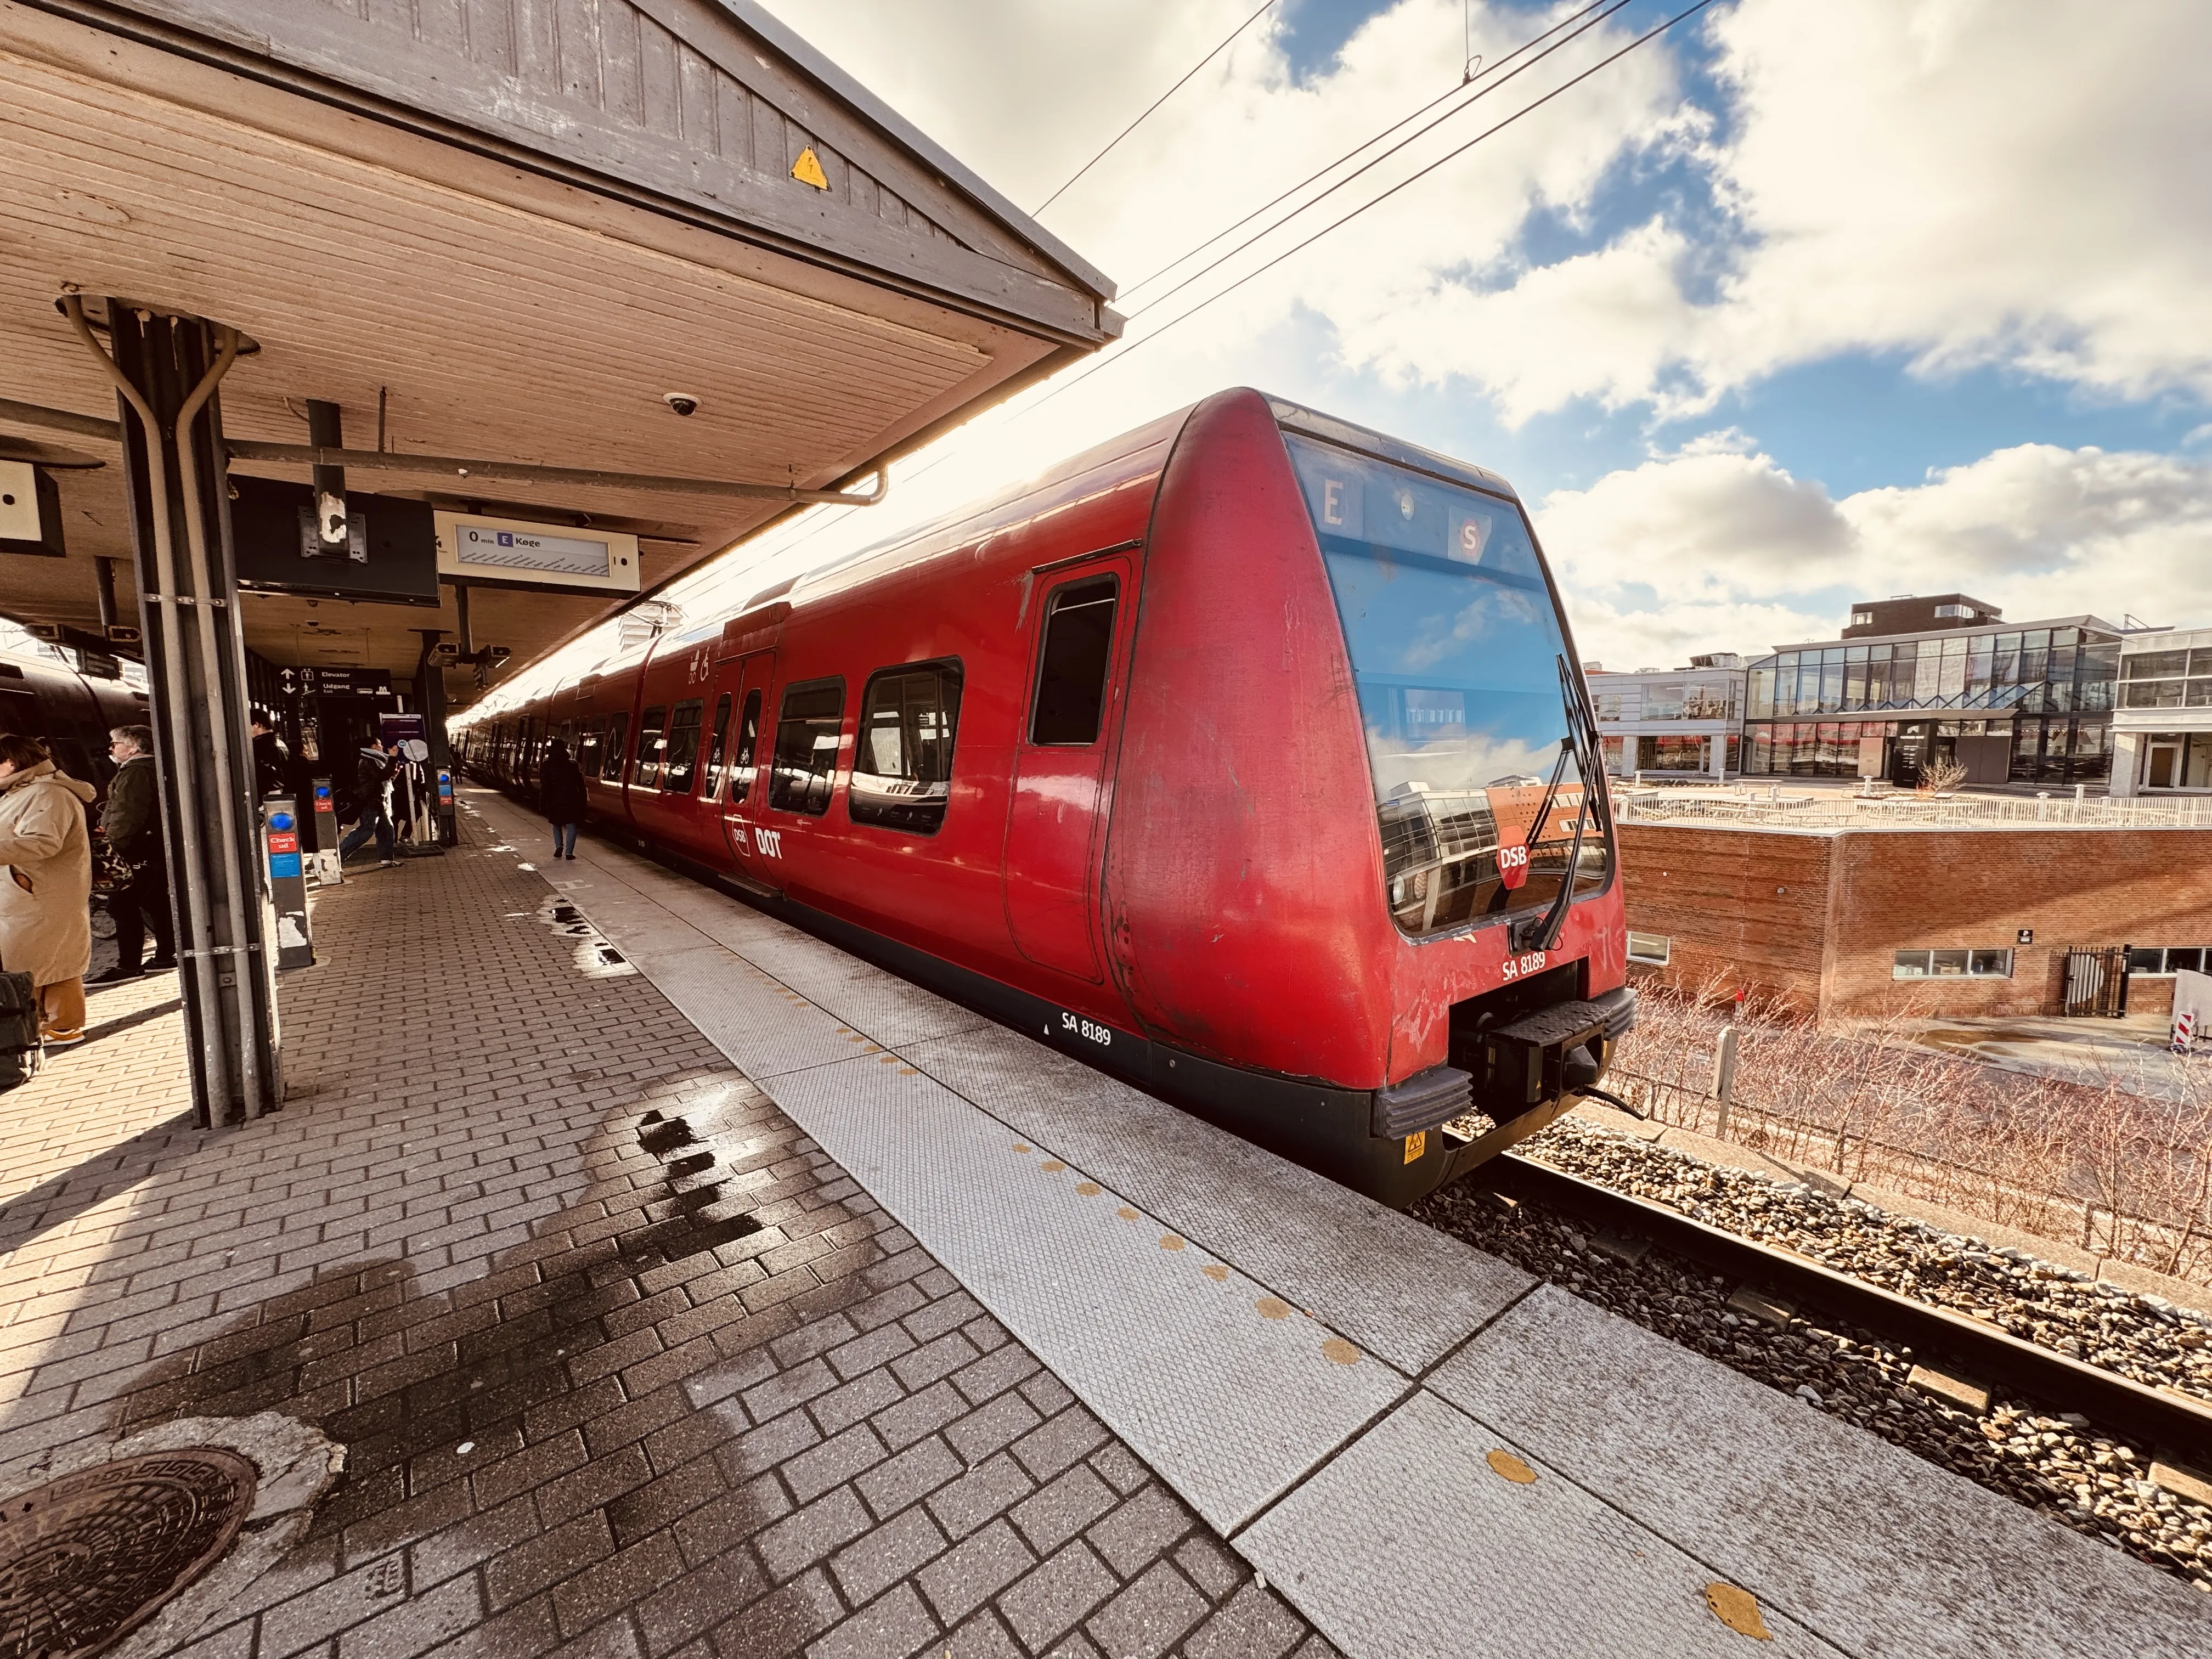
(1757, 804)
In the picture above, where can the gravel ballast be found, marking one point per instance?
(2051, 1462)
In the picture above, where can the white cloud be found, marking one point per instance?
(1968, 182)
(1730, 544)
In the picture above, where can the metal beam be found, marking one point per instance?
(373, 460)
(60, 420)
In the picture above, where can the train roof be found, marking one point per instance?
(941, 536)
(926, 540)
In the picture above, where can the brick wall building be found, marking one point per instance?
(1852, 922)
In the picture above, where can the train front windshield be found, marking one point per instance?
(1457, 649)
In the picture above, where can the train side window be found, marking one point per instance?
(902, 758)
(617, 742)
(680, 760)
(718, 745)
(588, 759)
(651, 746)
(1079, 646)
(743, 767)
(806, 747)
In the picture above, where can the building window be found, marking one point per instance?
(1652, 950)
(1863, 619)
(1670, 754)
(1967, 611)
(1952, 964)
(903, 757)
(2165, 960)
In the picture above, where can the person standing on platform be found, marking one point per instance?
(132, 825)
(561, 797)
(273, 762)
(372, 785)
(45, 886)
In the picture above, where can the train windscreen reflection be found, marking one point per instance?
(1455, 646)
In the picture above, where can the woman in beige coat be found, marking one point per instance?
(45, 889)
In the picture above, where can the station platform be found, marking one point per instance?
(680, 1284)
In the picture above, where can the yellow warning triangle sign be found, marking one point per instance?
(807, 169)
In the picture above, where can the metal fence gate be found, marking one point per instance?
(2097, 980)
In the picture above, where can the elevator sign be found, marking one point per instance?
(516, 550)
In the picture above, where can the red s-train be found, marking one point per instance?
(1245, 756)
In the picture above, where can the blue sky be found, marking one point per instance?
(1794, 304)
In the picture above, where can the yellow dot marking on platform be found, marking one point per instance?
(1739, 1610)
(1126, 1213)
(1052, 1166)
(886, 1060)
(1088, 1189)
(1272, 1307)
(1503, 1462)
(908, 1071)
(1338, 1352)
(1169, 1241)
(1216, 1272)
(1021, 1146)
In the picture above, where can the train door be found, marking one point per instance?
(1060, 761)
(747, 681)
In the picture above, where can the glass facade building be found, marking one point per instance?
(2029, 704)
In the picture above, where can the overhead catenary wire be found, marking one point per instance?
(1105, 360)
(1151, 276)
(1612, 8)
(1154, 104)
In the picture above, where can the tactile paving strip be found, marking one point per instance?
(1405, 1291)
(1879, 1552)
(1411, 1544)
(1214, 1379)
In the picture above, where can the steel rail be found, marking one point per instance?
(2163, 1423)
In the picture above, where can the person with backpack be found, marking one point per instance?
(132, 822)
(46, 887)
(561, 797)
(372, 793)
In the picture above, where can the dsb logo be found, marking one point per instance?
(1513, 865)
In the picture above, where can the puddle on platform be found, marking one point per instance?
(595, 958)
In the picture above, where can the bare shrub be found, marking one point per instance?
(2119, 1163)
(1941, 778)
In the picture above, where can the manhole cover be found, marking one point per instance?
(87, 1558)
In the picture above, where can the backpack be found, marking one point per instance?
(19, 1031)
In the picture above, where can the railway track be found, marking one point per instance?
(2178, 1428)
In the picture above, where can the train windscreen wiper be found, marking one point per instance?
(1579, 743)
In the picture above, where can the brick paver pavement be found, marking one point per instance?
(624, 1364)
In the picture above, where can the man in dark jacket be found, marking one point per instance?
(372, 789)
(132, 822)
(561, 797)
(273, 760)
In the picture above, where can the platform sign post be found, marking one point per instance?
(328, 871)
(287, 883)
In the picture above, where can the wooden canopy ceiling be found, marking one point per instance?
(499, 228)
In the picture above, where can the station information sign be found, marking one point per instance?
(486, 550)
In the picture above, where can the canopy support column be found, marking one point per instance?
(166, 371)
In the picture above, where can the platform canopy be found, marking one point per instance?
(500, 229)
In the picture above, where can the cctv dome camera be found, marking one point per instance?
(682, 402)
